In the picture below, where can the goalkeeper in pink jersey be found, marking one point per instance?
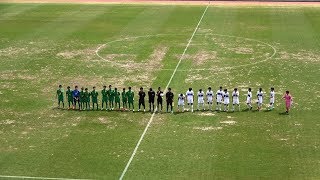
(287, 97)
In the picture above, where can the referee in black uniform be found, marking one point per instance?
(169, 98)
(151, 95)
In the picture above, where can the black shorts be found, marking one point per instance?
(159, 101)
(169, 103)
(75, 99)
(151, 100)
(141, 102)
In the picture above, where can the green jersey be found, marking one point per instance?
(82, 98)
(69, 95)
(60, 94)
(86, 96)
(104, 94)
(130, 95)
(111, 94)
(117, 96)
(94, 96)
(124, 96)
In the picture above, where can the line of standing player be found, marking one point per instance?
(111, 99)
(222, 97)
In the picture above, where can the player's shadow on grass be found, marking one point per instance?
(267, 110)
(283, 113)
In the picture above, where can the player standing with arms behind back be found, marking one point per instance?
(181, 102)
(159, 99)
(94, 97)
(124, 99)
(219, 96)
(59, 94)
(69, 96)
(249, 97)
(235, 99)
(117, 98)
(226, 100)
(210, 98)
(272, 99)
(76, 98)
(111, 97)
(151, 96)
(142, 95)
(260, 99)
(190, 96)
(169, 98)
(104, 100)
(200, 100)
(130, 96)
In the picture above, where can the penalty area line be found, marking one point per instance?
(169, 82)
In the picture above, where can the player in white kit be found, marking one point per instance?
(272, 98)
(210, 98)
(190, 96)
(200, 99)
(235, 99)
(249, 97)
(219, 96)
(226, 100)
(260, 98)
(181, 102)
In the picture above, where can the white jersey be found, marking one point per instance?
(209, 96)
(226, 98)
(249, 96)
(260, 97)
(181, 100)
(200, 97)
(219, 96)
(272, 97)
(235, 97)
(190, 95)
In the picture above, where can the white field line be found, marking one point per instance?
(44, 178)
(152, 116)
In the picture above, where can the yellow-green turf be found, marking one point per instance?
(44, 45)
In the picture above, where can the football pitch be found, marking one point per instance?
(153, 45)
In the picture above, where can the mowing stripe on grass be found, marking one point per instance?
(29, 177)
(152, 116)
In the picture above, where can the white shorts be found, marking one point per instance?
(271, 100)
(236, 101)
(200, 100)
(248, 100)
(209, 100)
(259, 101)
(226, 101)
(180, 103)
(219, 99)
(190, 100)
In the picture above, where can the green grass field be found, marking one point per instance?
(44, 45)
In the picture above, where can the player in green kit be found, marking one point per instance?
(124, 99)
(111, 98)
(69, 96)
(59, 95)
(104, 97)
(82, 99)
(130, 96)
(87, 98)
(94, 96)
(117, 98)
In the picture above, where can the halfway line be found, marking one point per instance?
(152, 116)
